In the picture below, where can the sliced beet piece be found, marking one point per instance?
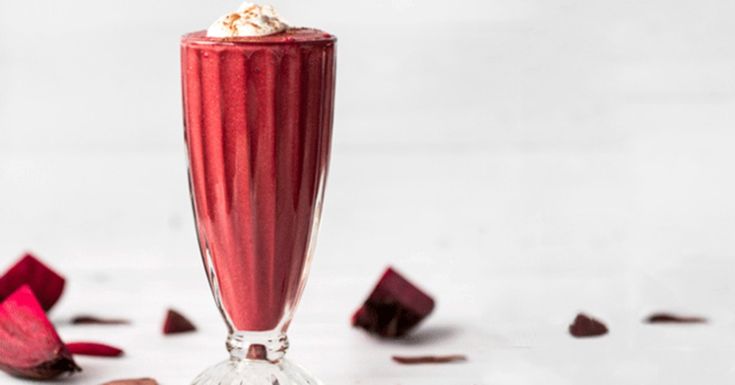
(586, 326)
(46, 284)
(95, 349)
(394, 307)
(660, 318)
(93, 320)
(176, 323)
(406, 360)
(135, 381)
(29, 344)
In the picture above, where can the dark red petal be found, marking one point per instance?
(93, 349)
(92, 320)
(46, 284)
(136, 381)
(658, 318)
(585, 326)
(29, 344)
(394, 307)
(429, 359)
(176, 323)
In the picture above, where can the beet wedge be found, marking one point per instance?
(45, 283)
(585, 326)
(394, 307)
(29, 344)
(176, 323)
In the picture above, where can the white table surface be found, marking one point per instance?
(526, 161)
(511, 243)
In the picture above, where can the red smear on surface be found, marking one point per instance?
(429, 359)
(658, 318)
(29, 344)
(95, 349)
(92, 320)
(176, 323)
(586, 326)
(394, 307)
(46, 284)
(136, 381)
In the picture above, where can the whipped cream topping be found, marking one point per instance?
(249, 20)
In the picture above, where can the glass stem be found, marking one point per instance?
(258, 346)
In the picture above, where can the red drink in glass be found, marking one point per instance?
(258, 122)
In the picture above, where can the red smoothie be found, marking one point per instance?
(258, 117)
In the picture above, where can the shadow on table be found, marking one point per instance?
(430, 335)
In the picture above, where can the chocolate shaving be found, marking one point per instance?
(405, 360)
(92, 320)
(661, 318)
(585, 326)
(136, 381)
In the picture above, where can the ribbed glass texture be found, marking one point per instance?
(258, 125)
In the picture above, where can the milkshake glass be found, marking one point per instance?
(258, 123)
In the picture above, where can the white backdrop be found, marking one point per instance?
(523, 160)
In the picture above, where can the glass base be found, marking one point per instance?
(255, 372)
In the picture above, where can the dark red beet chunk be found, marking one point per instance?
(394, 307)
(176, 323)
(659, 318)
(585, 326)
(29, 344)
(93, 349)
(46, 284)
(429, 359)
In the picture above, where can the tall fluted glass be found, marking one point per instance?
(258, 122)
